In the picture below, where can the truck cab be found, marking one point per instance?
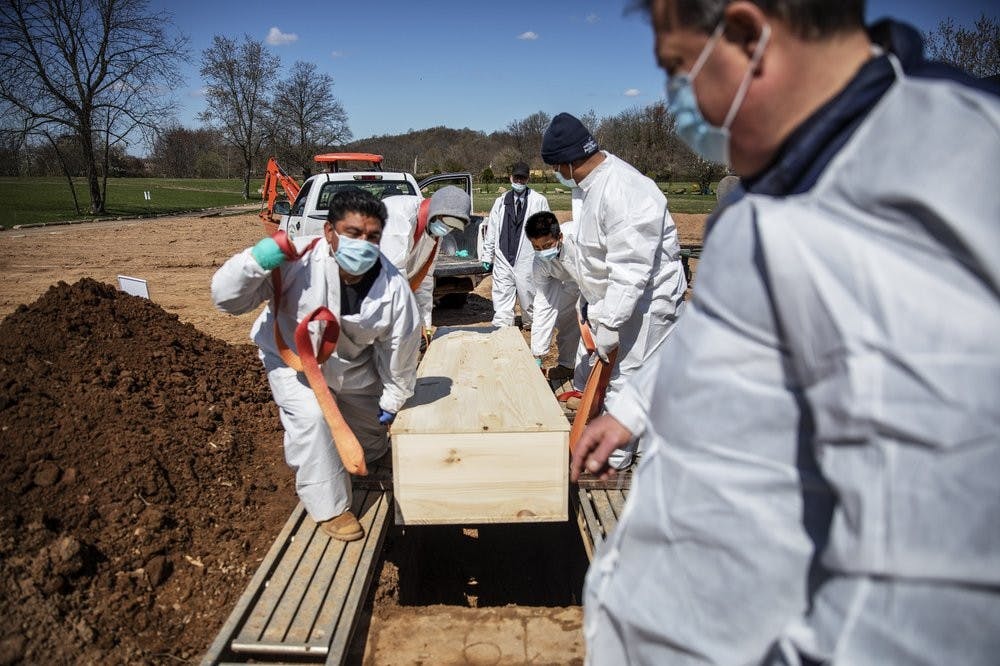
(458, 269)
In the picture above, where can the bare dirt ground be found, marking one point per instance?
(142, 476)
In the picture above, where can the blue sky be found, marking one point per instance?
(410, 65)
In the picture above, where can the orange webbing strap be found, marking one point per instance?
(593, 397)
(348, 447)
(419, 276)
(586, 336)
(425, 207)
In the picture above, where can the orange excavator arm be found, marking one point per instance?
(274, 176)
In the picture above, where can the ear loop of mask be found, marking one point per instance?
(758, 52)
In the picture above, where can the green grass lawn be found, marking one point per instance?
(31, 200)
(680, 196)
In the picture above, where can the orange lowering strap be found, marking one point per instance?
(593, 393)
(418, 231)
(348, 446)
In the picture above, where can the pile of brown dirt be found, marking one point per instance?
(141, 480)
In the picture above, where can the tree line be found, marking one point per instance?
(83, 81)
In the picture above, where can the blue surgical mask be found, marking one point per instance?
(354, 255)
(567, 182)
(705, 139)
(438, 229)
(548, 254)
(519, 187)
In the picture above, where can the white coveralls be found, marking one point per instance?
(629, 265)
(398, 246)
(555, 307)
(823, 437)
(511, 282)
(373, 366)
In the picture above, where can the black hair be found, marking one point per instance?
(808, 19)
(541, 224)
(356, 200)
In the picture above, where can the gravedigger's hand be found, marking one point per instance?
(606, 341)
(386, 418)
(599, 440)
(267, 253)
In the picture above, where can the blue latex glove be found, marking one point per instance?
(385, 418)
(538, 362)
(268, 254)
(464, 254)
(487, 265)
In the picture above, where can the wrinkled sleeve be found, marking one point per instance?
(634, 230)
(240, 284)
(397, 236)
(397, 351)
(492, 227)
(544, 308)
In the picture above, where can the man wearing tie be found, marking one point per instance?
(509, 252)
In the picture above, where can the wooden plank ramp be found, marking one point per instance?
(598, 505)
(303, 603)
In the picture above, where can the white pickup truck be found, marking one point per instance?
(458, 269)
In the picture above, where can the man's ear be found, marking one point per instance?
(330, 236)
(744, 23)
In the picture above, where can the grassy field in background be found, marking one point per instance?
(680, 197)
(31, 200)
(34, 200)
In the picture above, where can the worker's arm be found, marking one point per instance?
(397, 235)
(241, 284)
(544, 308)
(397, 350)
(633, 222)
(492, 230)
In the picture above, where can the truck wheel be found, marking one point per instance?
(453, 300)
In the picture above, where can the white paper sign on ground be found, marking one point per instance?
(133, 286)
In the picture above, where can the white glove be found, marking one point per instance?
(606, 342)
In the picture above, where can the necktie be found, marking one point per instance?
(517, 209)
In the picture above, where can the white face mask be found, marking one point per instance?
(518, 187)
(705, 139)
(438, 229)
(567, 182)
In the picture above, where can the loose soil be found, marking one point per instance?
(142, 477)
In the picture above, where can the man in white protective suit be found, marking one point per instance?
(557, 297)
(822, 431)
(412, 231)
(373, 368)
(507, 251)
(628, 259)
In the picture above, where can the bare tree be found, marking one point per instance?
(975, 50)
(306, 118)
(238, 79)
(526, 134)
(98, 69)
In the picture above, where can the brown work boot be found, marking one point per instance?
(560, 373)
(344, 527)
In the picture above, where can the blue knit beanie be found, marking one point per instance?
(567, 140)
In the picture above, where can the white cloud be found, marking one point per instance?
(632, 92)
(277, 38)
(592, 18)
(337, 54)
(528, 35)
